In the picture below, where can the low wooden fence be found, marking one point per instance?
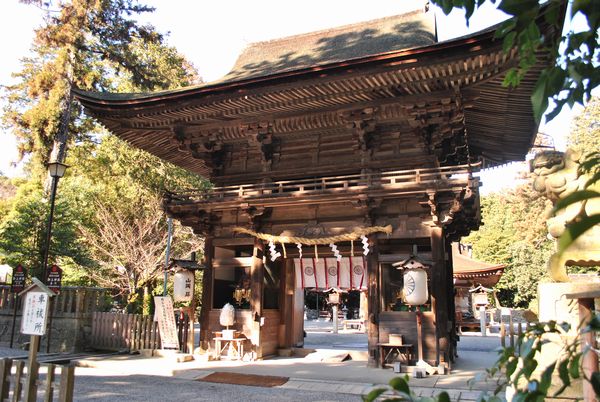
(15, 385)
(117, 331)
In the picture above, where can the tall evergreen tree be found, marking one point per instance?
(92, 45)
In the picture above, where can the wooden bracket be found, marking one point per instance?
(363, 123)
(205, 222)
(368, 207)
(260, 136)
(255, 215)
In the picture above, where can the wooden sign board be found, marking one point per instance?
(165, 316)
(18, 279)
(54, 279)
(35, 313)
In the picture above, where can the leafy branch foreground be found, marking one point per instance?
(520, 370)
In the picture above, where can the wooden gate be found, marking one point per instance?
(118, 331)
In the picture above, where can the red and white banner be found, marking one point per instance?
(326, 273)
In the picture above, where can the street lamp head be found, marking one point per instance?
(56, 169)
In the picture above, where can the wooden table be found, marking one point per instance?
(392, 350)
(236, 345)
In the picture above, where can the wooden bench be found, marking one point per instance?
(354, 323)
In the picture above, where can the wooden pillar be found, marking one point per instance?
(363, 306)
(257, 275)
(207, 288)
(373, 303)
(439, 294)
(286, 305)
(453, 332)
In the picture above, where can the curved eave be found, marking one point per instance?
(477, 273)
(103, 101)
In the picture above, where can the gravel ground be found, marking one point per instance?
(90, 387)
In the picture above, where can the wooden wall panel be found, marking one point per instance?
(269, 332)
(405, 323)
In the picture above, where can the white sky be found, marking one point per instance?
(212, 33)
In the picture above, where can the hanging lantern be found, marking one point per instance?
(415, 287)
(415, 281)
(183, 285)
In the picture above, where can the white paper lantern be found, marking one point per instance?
(183, 286)
(415, 287)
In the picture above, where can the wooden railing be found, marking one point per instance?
(117, 331)
(15, 386)
(392, 180)
(71, 301)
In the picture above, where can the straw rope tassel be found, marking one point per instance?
(354, 235)
(316, 256)
(284, 253)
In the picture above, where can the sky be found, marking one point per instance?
(211, 34)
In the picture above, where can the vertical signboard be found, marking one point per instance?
(165, 315)
(35, 312)
(54, 279)
(18, 279)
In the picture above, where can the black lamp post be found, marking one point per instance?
(56, 171)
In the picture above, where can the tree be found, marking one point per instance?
(128, 245)
(23, 232)
(92, 45)
(569, 80)
(122, 185)
(85, 44)
(515, 234)
(584, 135)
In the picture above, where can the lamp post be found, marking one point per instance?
(56, 171)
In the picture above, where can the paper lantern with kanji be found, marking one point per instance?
(415, 287)
(183, 286)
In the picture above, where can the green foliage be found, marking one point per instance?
(91, 45)
(23, 232)
(569, 80)
(526, 268)
(127, 229)
(517, 366)
(514, 234)
(584, 135)
(399, 390)
(573, 75)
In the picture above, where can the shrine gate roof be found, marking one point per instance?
(448, 94)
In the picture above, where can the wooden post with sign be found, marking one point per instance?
(54, 282)
(17, 286)
(33, 322)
